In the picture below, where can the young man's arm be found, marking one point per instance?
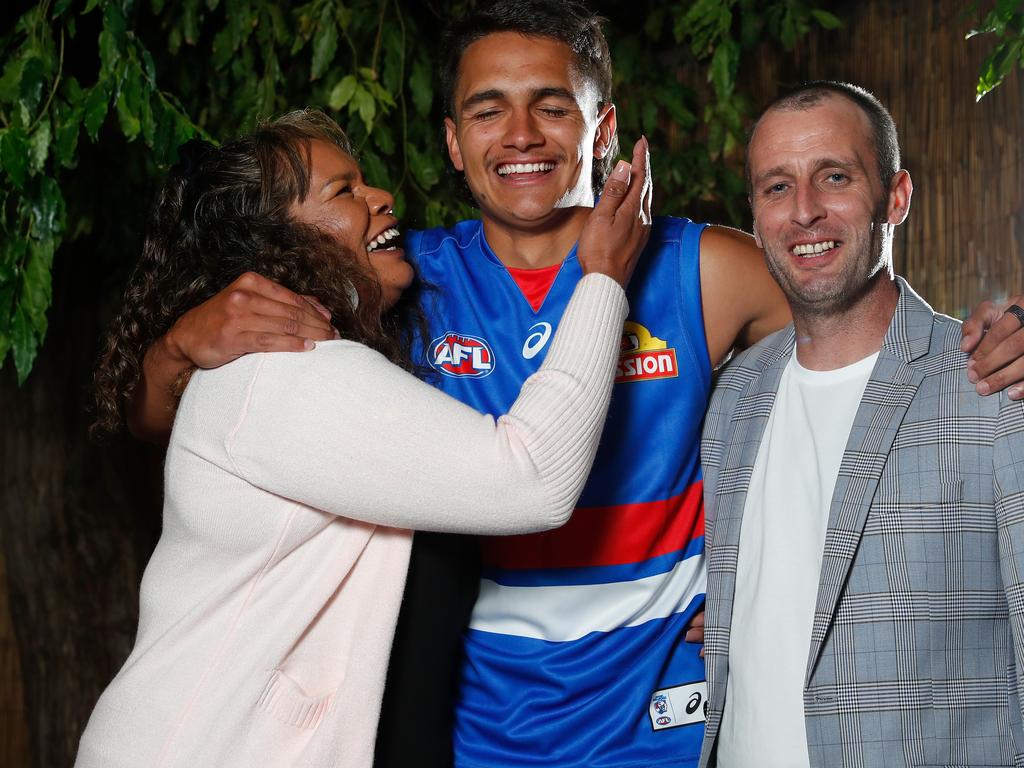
(742, 302)
(253, 314)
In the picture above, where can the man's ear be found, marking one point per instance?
(757, 237)
(606, 127)
(901, 188)
(453, 144)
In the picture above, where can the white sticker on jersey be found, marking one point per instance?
(682, 705)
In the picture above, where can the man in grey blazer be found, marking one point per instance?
(864, 507)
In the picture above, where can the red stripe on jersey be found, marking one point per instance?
(625, 533)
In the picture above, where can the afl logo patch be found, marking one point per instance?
(643, 357)
(461, 356)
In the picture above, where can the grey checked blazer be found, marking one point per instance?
(915, 657)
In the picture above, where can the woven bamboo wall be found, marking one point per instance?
(963, 240)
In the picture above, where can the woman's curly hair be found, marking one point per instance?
(226, 211)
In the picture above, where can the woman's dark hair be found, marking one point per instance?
(226, 211)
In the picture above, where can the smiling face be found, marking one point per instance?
(820, 211)
(527, 129)
(359, 216)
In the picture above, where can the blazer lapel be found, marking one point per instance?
(889, 392)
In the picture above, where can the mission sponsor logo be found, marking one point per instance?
(643, 357)
(461, 356)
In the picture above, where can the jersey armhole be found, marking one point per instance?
(691, 298)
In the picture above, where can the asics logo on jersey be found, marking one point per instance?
(681, 705)
(643, 357)
(537, 340)
(461, 356)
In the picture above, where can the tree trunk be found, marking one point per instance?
(78, 522)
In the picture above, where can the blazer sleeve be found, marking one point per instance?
(343, 430)
(1008, 482)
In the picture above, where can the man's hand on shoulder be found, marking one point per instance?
(742, 302)
(994, 336)
(253, 314)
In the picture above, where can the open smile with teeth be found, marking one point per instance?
(807, 250)
(380, 242)
(505, 169)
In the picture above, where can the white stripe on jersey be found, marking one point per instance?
(562, 613)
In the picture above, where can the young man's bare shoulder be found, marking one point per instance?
(742, 303)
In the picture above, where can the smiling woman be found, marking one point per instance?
(292, 481)
(357, 215)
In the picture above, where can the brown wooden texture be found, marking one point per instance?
(964, 239)
(13, 727)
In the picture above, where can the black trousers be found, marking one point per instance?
(417, 714)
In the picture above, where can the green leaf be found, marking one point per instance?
(39, 145)
(363, 104)
(724, 66)
(383, 138)
(96, 104)
(224, 47)
(24, 344)
(31, 87)
(375, 170)
(325, 43)
(36, 288)
(147, 120)
(129, 101)
(58, 10)
(421, 83)
(434, 213)
(826, 19)
(190, 21)
(425, 167)
(14, 152)
(10, 83)
(381, 95)
(391, 69)
(48, 210)
(108, 54)
(342, 92)
(68, 122)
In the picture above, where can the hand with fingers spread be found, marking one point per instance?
(994, 335)
(620, 224)
(253, 314)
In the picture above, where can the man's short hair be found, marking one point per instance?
(884, 138)
(566, 21)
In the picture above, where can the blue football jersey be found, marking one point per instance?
(575, 653)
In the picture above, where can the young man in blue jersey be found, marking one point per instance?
(576, 652)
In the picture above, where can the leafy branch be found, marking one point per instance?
(1006, 21)
(153, 73)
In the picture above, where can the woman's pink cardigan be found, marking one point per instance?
(292, 482)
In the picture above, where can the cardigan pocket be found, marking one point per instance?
(285, 701)
(283, 725)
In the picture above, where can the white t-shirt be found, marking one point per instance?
(781, 543)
